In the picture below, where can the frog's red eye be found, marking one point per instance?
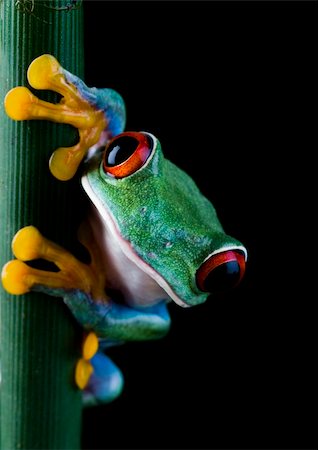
(126, 153)
(221, 271)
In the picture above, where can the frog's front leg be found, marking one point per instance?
(98, 114)
(82, 287)
(73, 276)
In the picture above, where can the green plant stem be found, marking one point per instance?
(40, 405)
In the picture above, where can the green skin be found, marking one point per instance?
(160, 228)
(158, 210)
(169, 223)
(161, 222)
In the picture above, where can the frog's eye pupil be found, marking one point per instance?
(120, 150)
(126, 153)
(221, 271)
(222, 277)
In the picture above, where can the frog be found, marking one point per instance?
(153, 238)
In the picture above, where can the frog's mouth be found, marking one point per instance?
(139, 283)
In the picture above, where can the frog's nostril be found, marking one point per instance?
(221, 271)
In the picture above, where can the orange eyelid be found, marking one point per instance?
(135, 161)
(215, 261)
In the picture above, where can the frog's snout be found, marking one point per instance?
(221, 271)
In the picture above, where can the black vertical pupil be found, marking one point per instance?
(120, 150)
(223, 277)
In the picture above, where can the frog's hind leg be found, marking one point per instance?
(106, 382)
(96, 375)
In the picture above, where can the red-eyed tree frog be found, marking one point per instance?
(152, 236)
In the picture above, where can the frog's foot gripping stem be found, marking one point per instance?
(73, 277)
(19, 278)
(97, 113)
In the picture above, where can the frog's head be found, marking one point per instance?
(161, 221)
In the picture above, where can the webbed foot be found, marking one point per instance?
(97, 113)
(74, 277)
(28, 244)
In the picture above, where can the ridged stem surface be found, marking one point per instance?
(40, 407)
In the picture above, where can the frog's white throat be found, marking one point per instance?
(137, 281)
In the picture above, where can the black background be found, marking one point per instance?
(228, 90)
